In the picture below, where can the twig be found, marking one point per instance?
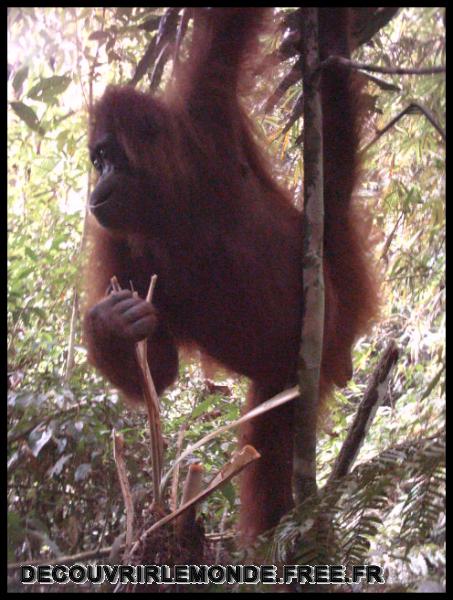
(151, 398)
(359, 66)
(114, 283)
(152, 287)
(152, 405)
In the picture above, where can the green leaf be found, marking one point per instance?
(19, 79)
(28, 115)
(48, 88)
(203, 407)
(29, 252)
(229, 492)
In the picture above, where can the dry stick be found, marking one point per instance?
(118, 455)
(115, 284)
(193, 485)
(374, 395)
(238, 462)
(151, 400)
(152, 406)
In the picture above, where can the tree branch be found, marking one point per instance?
(352, 64)
(310, 352)
(412, 108)
(374, 396)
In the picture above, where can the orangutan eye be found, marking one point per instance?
(100, 158)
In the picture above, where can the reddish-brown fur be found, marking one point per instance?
(225, 238)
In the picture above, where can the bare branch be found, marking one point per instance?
(384, 85)
(351, 64)
(152, 405)
(374, 395)
(412, 108)
(291, 78)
